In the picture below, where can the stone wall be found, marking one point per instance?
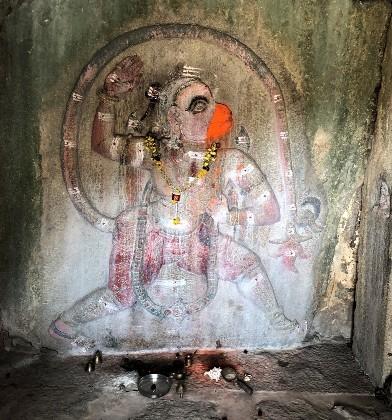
(372, 323)
(326, 58)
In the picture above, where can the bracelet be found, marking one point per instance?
(107, 98)
(105, 116)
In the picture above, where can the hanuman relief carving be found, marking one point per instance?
(195, 183)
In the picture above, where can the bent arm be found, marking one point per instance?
(250, 198)
(124, 148)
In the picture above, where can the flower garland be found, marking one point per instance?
(208, 158)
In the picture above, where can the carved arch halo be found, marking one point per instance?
(72, 118)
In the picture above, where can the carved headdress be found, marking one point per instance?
(179, 79)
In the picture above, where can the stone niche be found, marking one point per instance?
(265, 153)
(302, 116)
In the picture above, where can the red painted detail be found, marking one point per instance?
(221, 122)
(190, 253)
(289, 252)
(176, 197)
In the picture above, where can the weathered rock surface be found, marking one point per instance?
(305, 383)
(326, 56)
(373, 313)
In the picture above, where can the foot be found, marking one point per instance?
(291, 332)
(63, 332)
(281, 323)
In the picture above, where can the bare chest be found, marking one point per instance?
(180, 182)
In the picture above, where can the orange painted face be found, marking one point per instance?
(197, 118)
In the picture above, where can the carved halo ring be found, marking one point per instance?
(72, 119)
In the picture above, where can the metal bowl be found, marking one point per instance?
(154, 385)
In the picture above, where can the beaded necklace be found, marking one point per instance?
(208, 158)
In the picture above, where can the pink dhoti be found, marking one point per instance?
(190, 252)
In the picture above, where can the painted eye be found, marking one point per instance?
(198, 104)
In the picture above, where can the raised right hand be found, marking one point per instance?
(124, 76)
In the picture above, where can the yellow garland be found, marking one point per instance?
(208, 158)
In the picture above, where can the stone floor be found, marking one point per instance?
(315, 382)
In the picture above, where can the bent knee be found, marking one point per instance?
(248, 268)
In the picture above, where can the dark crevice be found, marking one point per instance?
(357, 230)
